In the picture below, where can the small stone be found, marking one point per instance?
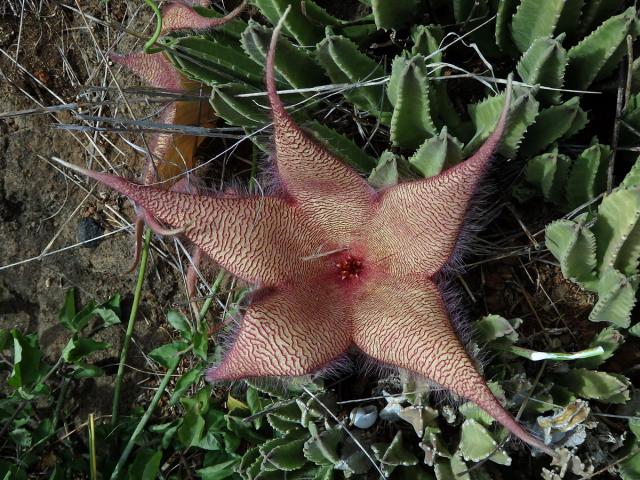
(89, 231)
(364, 417)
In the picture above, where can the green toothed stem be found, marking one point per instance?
(148, 46)
(132, 320)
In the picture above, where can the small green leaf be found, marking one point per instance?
(341, 146)
(267, 447)
(616, 298)
(574, 246)
(250, 457)
(635, 330)
(599, 53)
(549, 173)
(109, 311)
(168, 355)
(322, 448)
(214, 62)
(180, 323)
(83, 370)
(267, 387)
(485, 115)
(68, 311)
(78, 348)
(353, 461)
(591, 384)
(426, 42)
(632, 179)
(26, 360)
(234, 404)
(443, 471)
(220, 55)
(183, 384)
(459, 469)
(297, 24)
(210, 440)
(630, 467)
(535, 19)
(437, 154)
(618, 231)
(287, 456)
(588, 176)
(146, 465)
(218, 472)
(200, 344)
(75, 321)
(506, 10)
(386, 173)
(257, 404)
(293, 65)
(393, 15)
(544, 63)
(320, 16)
(552, 124)
(191, 429)
(492, 327)
(344, 63)
(419, 417)
(473, 412)
(476, 444)
(82, 318)
(254, 402)
(235, 109)
(393, 454)
(411, 122)
(282, 425)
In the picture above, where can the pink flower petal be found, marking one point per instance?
(291, 330)
(180, 16)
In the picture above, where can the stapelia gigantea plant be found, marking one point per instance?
(338, 263)
(554, 44)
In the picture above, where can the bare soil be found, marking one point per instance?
(46, 61)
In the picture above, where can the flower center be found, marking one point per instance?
(348, 268)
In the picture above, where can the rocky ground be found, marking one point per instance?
(48, 58)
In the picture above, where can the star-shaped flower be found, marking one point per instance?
(337, 263)
(172, 155)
